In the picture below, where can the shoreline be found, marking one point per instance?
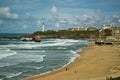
(63, 67)
(87, 65)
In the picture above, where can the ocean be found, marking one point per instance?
(19, 59)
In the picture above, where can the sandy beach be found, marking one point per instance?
(95, 63)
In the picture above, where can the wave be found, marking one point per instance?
(14, 74)
(40, 59)
(33, 67)
(32, 52)
(39, 67)
(71, 51)
(1, 78)
(8, 46)
(24, 58)
(73, 56)
(51, 42)
(70, 40)
(61, 48)
(31, 42)
(4, 54)
(7, 64)
(72, 59)
(4, 49)
(30, 46)
(30, 58)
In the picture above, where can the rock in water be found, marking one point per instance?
(36, 38)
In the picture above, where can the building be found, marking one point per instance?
(102, 30)
(91, 29)
(72, 29)
(82, 28)
(116, 32)
(106, 27)
(110, 38)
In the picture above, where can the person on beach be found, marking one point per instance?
(66, 69)
(75, 71)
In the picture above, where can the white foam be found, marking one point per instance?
(30, 58)
(8, 46)
(26, 57)
(71, 51)
(61, 48)
(40, 59)
(4, 54)
(14, 74)
(39, 67)
(72, 60)
(1, 78)
(7, 64)
(31, 42)
(73, 56)
(29, 46)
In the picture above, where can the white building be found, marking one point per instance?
(43, 27)
(106, 26)
(82, 28)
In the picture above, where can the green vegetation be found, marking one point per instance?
(108, 32)
(68, 34)
(110, 78)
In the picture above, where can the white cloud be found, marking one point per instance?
(5, 12)
(63, 21)
(38, 22)
(54, 10)
(25, 26)
(97, 11)
(119, 20)
(57, 25)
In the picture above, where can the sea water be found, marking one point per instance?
(20, 59)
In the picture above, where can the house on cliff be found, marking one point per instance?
(116, 32)
(92, 29)
(82, 28)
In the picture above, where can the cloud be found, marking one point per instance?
(25, 26)
(54, 10)
(97, 11)
(57, 25)
(38, 22)
(5, 13)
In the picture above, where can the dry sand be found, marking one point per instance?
(94, 63)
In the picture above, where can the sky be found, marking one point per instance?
(27, 16)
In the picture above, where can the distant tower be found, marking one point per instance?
(43, 27)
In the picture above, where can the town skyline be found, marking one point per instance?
(27, 16)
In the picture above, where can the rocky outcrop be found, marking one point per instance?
(26, 39)
(36, 38)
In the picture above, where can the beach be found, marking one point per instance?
(95, 63)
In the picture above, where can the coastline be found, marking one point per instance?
(95, 63)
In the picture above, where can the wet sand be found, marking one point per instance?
(94, 63)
